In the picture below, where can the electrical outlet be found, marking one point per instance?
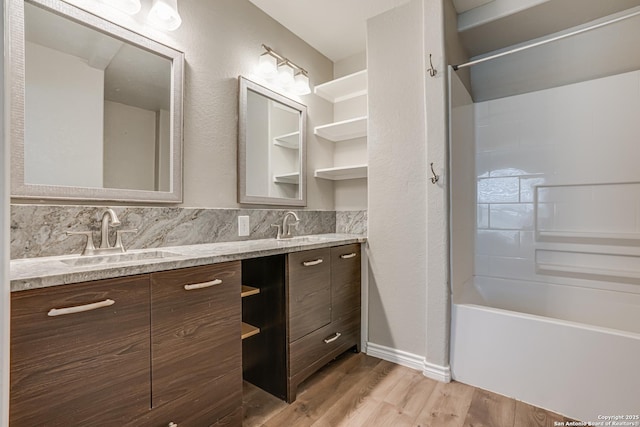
(243, 225)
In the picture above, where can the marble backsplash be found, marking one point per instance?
(351, 222)
(40, 230)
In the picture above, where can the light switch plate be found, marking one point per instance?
(243, 225)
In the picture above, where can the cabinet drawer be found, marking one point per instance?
(308, 291)
(307, 354)
(87, 365)
(195, 335)
(345, 282)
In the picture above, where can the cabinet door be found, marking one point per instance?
(345, 282)
(196, 346)
(308, 291)
(80, 354)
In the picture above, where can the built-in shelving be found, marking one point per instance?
(336, 91)
(247, 291)
(344, 88)
(287, 178)
(249, 330)
(290, 140)
(342, 173)
(344, 130)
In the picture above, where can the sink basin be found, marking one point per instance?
(117, 258)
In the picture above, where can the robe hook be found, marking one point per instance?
(435, 177)
(432, 71)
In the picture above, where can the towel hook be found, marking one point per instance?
(432, 71)
(435, 177)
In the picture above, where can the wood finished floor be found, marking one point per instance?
(359, 390)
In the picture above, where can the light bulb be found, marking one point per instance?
(301, 84)
(164, 15)
(267, 65)
(285, 75)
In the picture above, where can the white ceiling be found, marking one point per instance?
(336, 28)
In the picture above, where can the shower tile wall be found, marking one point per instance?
(558, 185)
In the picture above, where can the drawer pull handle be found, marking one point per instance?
(314, 262)
(333, 338)
(80, 308)
(202, 285)
(347, 256)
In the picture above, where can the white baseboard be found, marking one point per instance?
(393, 355)
(437, 372)
(410, 360)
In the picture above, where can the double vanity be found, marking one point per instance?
(164, 337)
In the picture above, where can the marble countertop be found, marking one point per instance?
(33, 273)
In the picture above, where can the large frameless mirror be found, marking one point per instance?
(96, 109)
(271, 148)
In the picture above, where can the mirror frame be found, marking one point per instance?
(16, 36)
(243, 198)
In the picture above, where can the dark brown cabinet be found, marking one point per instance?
(80, 354)
(309, 291)
(152, 350)
(196, 353)
(323, 294)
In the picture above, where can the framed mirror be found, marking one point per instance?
(271, 147)
(96, 109)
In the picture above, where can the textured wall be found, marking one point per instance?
(437, 348)
(397, 179)
(221, 40)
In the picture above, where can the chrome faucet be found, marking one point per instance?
(109, 219)
(284, 230)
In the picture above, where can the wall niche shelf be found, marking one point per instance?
(344, 88)
(342, 173)
(344, 130)
(287, 178)
(290, 140)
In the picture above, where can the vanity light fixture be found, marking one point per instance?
(164, 14)
(285, 74)
(281, 72)
(267, 65)
(301, 83)
(130, 7)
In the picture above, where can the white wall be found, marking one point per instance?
(397, 181)
(582, 139)
(437, 234)
(49, 75)
(129, 147)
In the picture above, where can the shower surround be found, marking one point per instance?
(546, 276)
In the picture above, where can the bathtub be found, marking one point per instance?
(571, 350)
